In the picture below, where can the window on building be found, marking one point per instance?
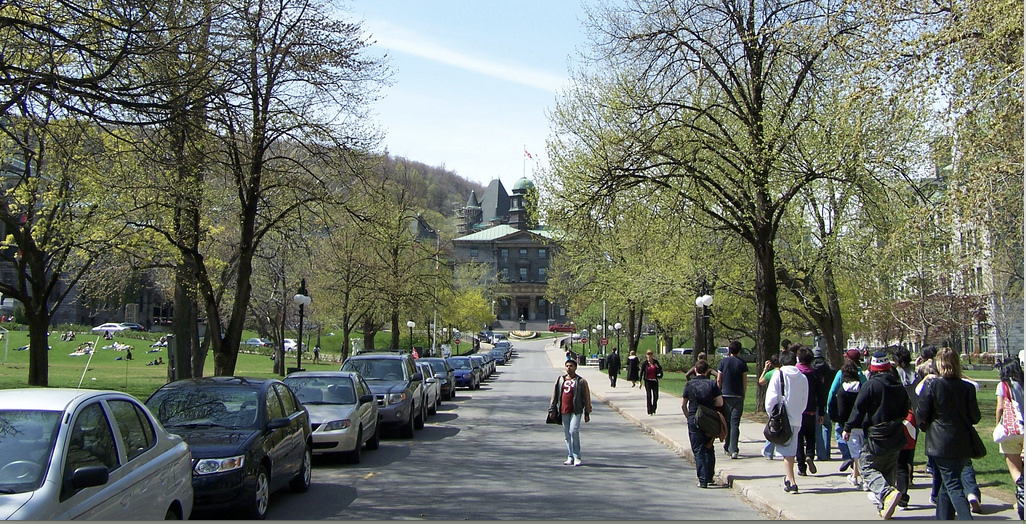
(473, 253)
(523, 253)
(504, 253)
(523, 274)
(542, 253)
(542, 274)
(505, 273)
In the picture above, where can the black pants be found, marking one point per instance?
(612, 376)
(651, 395)
(806, 440)
(701, 447)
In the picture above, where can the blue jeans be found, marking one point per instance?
(968, 479)
(732, 409)
(952, 496)
(769, 449)
(701, 446)
(572, 433)
(823, 439)
(842, 445)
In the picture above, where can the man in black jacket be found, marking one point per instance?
(880, 410)
(613, 366)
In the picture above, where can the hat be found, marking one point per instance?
(853, 354)
(879, 362)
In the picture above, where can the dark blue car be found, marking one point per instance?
(468, 372)
(249, 437)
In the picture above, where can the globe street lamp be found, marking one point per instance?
(410, 324)
(704, 301)
(302, 299)
(617, 326)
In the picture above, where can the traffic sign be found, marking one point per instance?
(604, 341)
(456, 340)
(584, 340)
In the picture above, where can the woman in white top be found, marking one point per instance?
(790, 387)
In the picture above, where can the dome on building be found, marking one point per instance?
(523, 185)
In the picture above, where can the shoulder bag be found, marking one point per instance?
(778, 427)
(1009, 426)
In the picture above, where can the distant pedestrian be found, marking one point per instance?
(825, 428)
(693, 372)
(613, 366)
(651, 372)
(633, 367)
(769, 368)
(732, 378)
(789, 386)
(880, 410)
(812, 415)
(128, 354)
(571, 398)
(840, 409)
(317, 353)
(855, 357)
(948, 407)
(702, 390)
(906, 373)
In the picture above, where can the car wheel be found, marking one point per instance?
(433, 408)
(301, 484)
(261, 495)
(407, 430)
(375, 440)
(172, 514)
(354, 455)
(418, 423)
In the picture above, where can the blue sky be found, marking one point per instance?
(473, 80)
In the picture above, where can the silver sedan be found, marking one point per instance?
(343, 411)
(86, 454)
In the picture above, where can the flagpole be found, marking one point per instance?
(525, 160)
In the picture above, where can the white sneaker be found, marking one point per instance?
(577, 462)
(974, 502)
(569, 461)
(874, 499)
(854, 481)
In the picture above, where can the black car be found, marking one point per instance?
(448, 377)
(397, 386)
(249, 438)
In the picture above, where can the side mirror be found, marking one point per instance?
(277, 423)
(366, 398)
(417, 377)
(89, 476)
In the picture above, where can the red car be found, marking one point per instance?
(561, 328)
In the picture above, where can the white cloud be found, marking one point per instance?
(399, 40)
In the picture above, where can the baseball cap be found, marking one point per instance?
(879, 362)
(853, 354)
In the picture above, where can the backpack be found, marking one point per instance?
(710, 421)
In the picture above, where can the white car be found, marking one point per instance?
(343, 411)
(91, 455)
(110, 326)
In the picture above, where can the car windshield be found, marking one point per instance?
(26, 442)
(376, 369)
(229, 407)
(322, 390)
(461, 363)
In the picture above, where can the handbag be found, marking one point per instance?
(778, 427)
(977, 449)
(552, 417)
(708, 420)
(1009, 426)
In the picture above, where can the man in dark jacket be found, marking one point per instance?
(880, 410)
(812, 417)
(613, 366)
(701, 390)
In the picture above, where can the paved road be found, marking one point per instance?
(489, 456)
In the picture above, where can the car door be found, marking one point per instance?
(150, 476)
(368, 410)
(91, 442)
(298, 424)
(276, 444)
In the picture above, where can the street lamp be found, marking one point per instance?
(410, 324)
(618, 326)
(302, 299)
(703, 301)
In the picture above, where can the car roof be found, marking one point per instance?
(250, 382)
(322, 374)
(48, 399)
(393, 356)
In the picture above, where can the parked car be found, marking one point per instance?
(745, 354)
(507, 348)
(397, 386)
(61, 460)
(249, 437)
(110, 326)
(432, 390)
(343, 411)
(445, 374)
(486, 363)
(681, 351)
(562, 328)
(499, 355)
(467, 372)
(258, 342)
(133, 326)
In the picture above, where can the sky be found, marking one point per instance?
(473, 80)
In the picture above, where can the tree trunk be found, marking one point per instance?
(39, 365)
(768, 323)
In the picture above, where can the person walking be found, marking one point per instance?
(812, 414)
(789, 387)
(880, 410)
(633, 367)
(613, 366)
(571, 398)
(836, 386)
(906, 373)
(651, 372)
(824, 428)
(701, 391)
(844, 401)
(948, 408)
(732, 378)
(694, 369)
(769, 368)
(1010, 397)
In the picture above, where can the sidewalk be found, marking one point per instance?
(824, 496)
